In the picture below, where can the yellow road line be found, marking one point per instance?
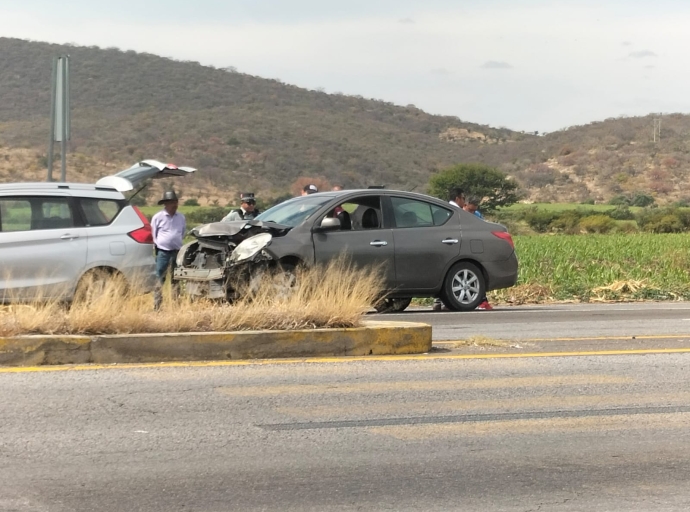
(429, 385)
(259, 362)
(589, 338)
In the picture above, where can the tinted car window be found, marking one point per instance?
(23, 214)
(410, 213)
(15, 214)
(364, 212)
(99, 212)
(440, 215)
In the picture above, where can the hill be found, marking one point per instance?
(248, 133)
(241, 131)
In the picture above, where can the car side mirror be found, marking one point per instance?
(328, 224)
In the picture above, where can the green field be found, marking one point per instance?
(149, 211)
(561, 207)
(601, 267)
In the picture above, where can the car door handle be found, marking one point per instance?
(378, 243)
(450, 241)
(68, 236)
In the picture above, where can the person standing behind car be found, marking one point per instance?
(309, 189)
(472, 206)
(246, 211)
(457, 198)
(168, 228)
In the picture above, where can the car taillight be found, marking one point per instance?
(505, 236)
(142, 235)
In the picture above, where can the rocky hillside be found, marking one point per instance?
(245, 132)
(241, 131)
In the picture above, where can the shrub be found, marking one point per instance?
(567, 222)
(191, 202)
(597, 224)
(207, 214)
(641, 199)
(620, 200)
(539, 220)
(668, 220)
(665, 224)
(621, 213)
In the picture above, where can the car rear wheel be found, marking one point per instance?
(464, 287)
(392, 305)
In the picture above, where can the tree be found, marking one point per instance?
(490, 185)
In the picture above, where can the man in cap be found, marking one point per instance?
(168, 228)
(246, 211)
(309, 189)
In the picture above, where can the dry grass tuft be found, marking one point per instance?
(336, 295)
(523, 294)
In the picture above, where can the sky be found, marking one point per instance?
(529, 65)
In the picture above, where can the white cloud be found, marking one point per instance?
(642, 54)
(494, 64)
(559, 74)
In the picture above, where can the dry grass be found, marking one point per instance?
(528, 293)
(333, 296)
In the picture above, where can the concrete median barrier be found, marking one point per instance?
(374, 338)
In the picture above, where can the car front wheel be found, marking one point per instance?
(464, 287)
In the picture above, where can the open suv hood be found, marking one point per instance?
(126, 180)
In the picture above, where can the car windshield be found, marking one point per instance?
(295, 211)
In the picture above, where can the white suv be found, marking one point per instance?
(52, 235)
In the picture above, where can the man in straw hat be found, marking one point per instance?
(168, 227)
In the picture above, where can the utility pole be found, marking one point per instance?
(657, 129)
(59, 115)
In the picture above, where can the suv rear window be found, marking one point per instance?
(99, 212)
(29, 213)
(15, 215)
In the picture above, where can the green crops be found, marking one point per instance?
(601, 267)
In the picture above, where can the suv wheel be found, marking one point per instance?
(464, 287)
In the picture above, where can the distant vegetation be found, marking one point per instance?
(246, 133)
(481, 182)
(600, 267)
(586, 219)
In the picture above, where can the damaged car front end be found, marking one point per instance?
(227, 259)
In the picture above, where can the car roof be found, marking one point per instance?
(373, 191)
(45, 187)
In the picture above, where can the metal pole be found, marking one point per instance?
(51, 144)
(63, 148)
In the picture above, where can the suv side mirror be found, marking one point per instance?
(328, 224)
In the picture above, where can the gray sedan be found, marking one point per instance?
(426, 247)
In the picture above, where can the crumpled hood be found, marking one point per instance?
(232, 228)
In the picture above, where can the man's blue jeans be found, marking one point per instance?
(164, 260)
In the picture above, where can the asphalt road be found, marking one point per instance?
(623, 320)
(454, 430)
